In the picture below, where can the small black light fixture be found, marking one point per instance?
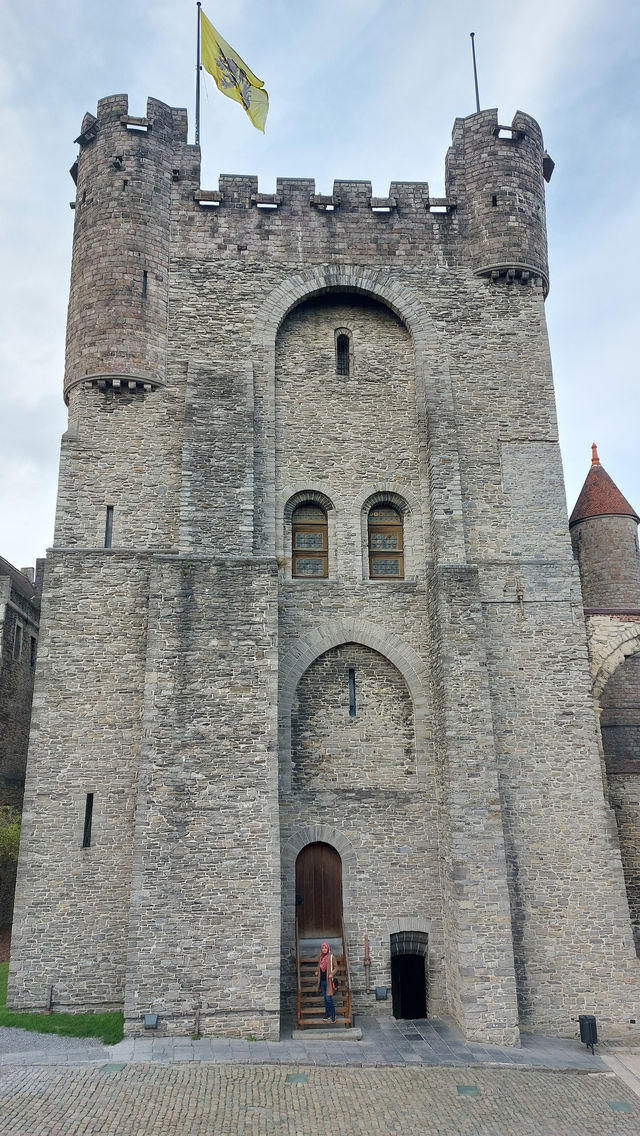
(588, 1030)
(150, 1021)
(382, 993)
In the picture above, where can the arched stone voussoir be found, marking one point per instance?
(398, 296)
(611, 640)
(310, 834)
(412, 668)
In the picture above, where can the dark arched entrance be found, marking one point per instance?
(409, 950)
(319, 891)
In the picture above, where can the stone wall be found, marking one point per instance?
(364, 742)
(620, 729)
(548, 756)
(624, 794)
(19, 623)
(123, 449)
(72, 902)
(205, 895)
(620, 712)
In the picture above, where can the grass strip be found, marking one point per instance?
(109, 1027)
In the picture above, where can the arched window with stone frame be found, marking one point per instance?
(309, 541)
(385, 533)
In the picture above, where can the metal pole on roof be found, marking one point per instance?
(198, 69)
(475, 70)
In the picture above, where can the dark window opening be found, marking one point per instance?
(33, 650)
(309, 541)
(88, 817)
(352, 693)
(494, 200)
(343, 354)
(144, 284)
(108, 527)
(17, 640)
(386, 545)
(125, 183)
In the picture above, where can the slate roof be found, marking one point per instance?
(19, 581)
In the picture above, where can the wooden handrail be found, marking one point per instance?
(347, 972)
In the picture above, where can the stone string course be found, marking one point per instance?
(191, 684)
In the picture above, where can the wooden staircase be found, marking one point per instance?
(310, 999)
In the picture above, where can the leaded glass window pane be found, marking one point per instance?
(309, 515)
(308, 540)
(382, 540)
(385, 529)
(310, 566)
(387, 566)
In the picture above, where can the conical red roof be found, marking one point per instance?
(599, 496)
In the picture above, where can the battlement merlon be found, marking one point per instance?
(478, 139)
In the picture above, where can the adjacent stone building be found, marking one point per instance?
(314, 656)
(19, 625)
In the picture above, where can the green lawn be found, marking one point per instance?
(107, 1026)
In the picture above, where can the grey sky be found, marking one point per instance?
(358, 88)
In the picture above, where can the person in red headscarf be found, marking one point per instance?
(325, 973)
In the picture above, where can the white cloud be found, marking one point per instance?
(359, 88)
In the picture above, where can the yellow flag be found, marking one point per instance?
(232, 75)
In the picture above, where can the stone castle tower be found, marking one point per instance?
(313, 657)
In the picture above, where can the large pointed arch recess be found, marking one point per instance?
(433, 388)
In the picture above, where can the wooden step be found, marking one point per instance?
(318, 1016)
(310, 999)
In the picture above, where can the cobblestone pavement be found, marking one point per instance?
(210, 1100)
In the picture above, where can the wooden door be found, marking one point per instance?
(318, 891)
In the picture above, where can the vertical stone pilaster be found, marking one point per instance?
(478, 944)
(205, 887)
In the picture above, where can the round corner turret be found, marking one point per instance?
(604, 537)
(495, 173)
(116, 328)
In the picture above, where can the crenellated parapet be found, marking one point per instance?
(139, 200)
(347, 196)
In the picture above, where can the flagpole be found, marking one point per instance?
(475, 69)
(198, 80)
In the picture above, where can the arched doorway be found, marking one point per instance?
(409, 950)
(319, 891)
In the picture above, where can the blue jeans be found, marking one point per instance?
(329, 1008)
